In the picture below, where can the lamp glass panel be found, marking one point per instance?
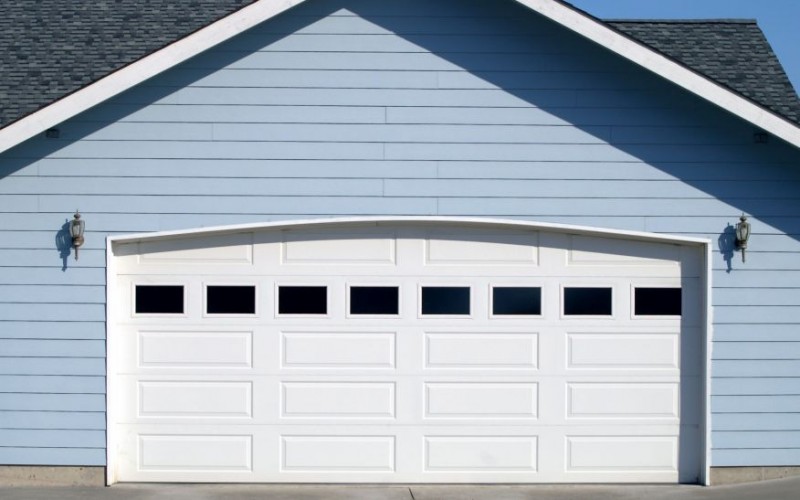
(77, 227)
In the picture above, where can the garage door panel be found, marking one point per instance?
(481, 453)
(478, 248)
(165, 452)
(195, 399)
(622, 401)
(337, 350)
(449, 350)
(342, 248)
(338, 453)
(516, 393)
(592, 251)
(191, 349)
(630, 453)
(229, 249)
(481, 400)
(188, 349)
(333, 400)
(632, 351)
(192, 400)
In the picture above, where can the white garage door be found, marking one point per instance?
(405, 353)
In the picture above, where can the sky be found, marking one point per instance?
(779, 19)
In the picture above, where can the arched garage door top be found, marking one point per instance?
(418, 220)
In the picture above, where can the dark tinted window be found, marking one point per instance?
(657, 302)
(230, 299)
(516, 301)
(374, 300)
(587, 301)
(445, 300)
(302, 300)
(159, 299)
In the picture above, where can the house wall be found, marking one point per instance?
(356, 107)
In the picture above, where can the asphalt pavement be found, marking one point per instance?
(782, 489)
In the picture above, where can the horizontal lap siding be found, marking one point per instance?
(473, 108)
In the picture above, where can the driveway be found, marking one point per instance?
(782, 489)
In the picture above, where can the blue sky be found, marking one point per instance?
(779, 19)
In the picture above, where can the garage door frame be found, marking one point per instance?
(112, 300)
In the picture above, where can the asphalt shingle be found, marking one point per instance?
(51, 48)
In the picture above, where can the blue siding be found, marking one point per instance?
(53, 366)
(58, 420)
(757, 350)
(756, 422)
(40, 438)
(52, 348)
(762, 457)
(756, 440)
(52, 384)
(465, 108)
(757, 368)
(52, 402)
(52, 330)
(755, 386)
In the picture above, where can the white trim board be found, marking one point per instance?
(263, 10)
(476, 221)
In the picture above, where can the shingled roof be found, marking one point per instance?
(734, 53)
(52, 48)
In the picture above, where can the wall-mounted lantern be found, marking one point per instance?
(742, 235)
(76, 228)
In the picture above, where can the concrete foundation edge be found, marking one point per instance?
(737, 475)
(20, 475)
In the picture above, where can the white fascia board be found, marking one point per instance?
(141, 70)
(662, 65)
(476, 221)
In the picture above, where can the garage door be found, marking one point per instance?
(405, 352)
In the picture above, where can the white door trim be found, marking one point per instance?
(476, 221)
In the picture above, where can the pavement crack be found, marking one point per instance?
(412, 494)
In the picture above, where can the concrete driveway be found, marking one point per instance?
(782, 489)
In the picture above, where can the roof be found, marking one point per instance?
(52, 48)
(60, 58)
(734, 52)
